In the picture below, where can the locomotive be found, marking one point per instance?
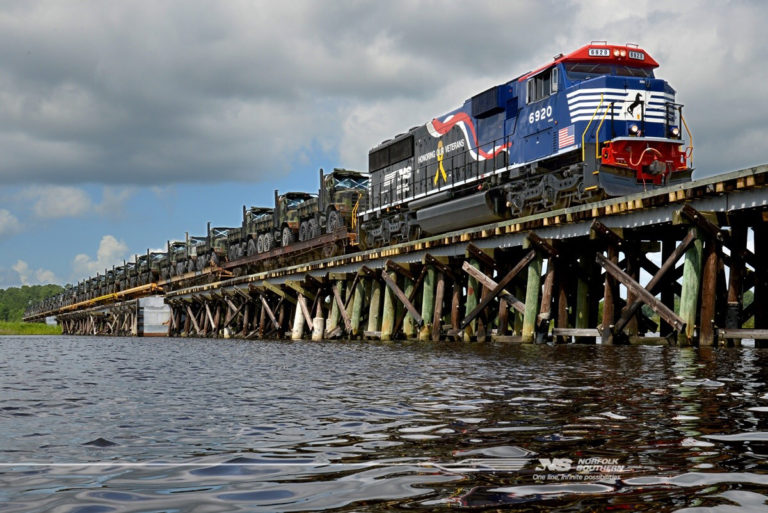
(590, 124)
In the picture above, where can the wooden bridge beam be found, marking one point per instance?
(640, 291)
(498, 288)
(668, 264)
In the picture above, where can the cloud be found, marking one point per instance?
(29, 276)
(53, 202)
(110, 252)
(158, 93)
(60, 201)
(113, 201)
(9, 224)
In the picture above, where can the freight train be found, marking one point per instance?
(590, 124)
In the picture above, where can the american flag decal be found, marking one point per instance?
(565, 137)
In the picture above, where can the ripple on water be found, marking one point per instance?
(272, 426)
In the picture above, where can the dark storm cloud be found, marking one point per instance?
(164, 92)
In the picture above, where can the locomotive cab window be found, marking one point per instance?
(542, 85)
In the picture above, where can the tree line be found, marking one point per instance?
(14, 300)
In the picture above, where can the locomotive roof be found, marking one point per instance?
(600, 51)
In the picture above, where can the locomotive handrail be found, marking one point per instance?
(597, 132)
(689, 150)
(584, 133)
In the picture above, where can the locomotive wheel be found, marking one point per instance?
(180, 268)
(214, 260)
(269, 242)
(303, 232)
(190, 266)
(287, 237)
(201, 262)
(386, 236)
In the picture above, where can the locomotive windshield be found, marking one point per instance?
(577, 71)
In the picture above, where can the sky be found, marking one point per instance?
(127, 123)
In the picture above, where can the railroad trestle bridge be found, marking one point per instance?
(685, 265)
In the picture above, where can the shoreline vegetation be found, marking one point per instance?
(28, 328)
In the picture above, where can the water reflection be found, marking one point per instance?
(97, 424)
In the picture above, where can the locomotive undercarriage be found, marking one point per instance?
(539, 187)
(545, 190)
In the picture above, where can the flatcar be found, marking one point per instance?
(590, 124)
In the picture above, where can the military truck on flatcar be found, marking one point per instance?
(243, 241)
(338, 195)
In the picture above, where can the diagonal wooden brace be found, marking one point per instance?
(304, 310)
(300, 289)
(342, 308)
(434, 262)
(666, 266)
(489, 283)
(417, 284)
(210, 317)
(351, 291)
(522, 264)
(194, 320)
(399, 269)
(481, 256)
(606, 233)
(712, 230)
(269, 312)
(403, 299)
(542, 245)
(644, 296)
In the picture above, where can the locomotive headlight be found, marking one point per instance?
(616, 52)
(634, 130)
(674, 132)
(623, 53)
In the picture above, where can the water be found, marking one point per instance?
(94, 425)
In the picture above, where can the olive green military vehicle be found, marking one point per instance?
(243, 240)
(333, 207)
(302, 216)
(282, 227)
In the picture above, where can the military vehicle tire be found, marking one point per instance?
(313, 229)
(259, 245)
(333, 223)
(287, 237)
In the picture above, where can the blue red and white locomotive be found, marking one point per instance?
(593, 123)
